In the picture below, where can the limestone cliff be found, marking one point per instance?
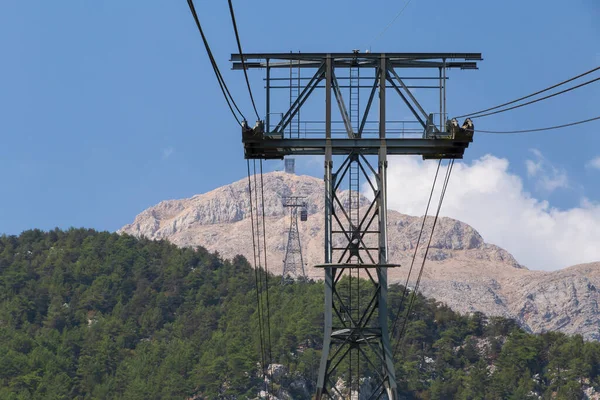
(461, 270)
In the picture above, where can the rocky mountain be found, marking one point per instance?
(461, 270)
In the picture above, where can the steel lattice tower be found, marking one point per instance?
(356, 240)
(293, 263)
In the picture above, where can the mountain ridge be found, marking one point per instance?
(462, 270)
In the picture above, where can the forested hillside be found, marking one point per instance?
(87, 314)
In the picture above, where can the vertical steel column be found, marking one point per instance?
(444, 76)
(441, 103)
(268, 98)
(329, 272)
(328, 161)
(388, 367)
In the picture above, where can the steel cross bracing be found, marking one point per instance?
(356, 334)
(402, 137)
(356, 340)
(293, 263)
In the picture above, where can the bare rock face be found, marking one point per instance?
(565, 300)
(461, 270)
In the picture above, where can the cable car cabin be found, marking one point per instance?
(303, 215)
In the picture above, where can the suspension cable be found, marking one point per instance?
(239, 44)
(418, 282)
(536, 100)
(390, 24)
(262, 196)
(542, 129)
(228, 98)
(263, 274)
(256, 280)
(260, 274)
(405, 291)
(531, 95)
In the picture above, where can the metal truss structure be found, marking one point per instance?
(293, 263)
(356, 340)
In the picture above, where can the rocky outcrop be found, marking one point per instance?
(461, 269)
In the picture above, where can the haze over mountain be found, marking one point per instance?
(462, 270)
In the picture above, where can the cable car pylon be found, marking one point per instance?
(293, 263)
(356, 341)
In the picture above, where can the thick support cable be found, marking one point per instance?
(531, 95)
(256, 279)
(228, 98)
(258, 247)
(239, 44)
(536, 100)
(543, 129)
(262, 196)
(418, 282)
(405, 291)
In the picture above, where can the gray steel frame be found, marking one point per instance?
(272, 143)
(350, 325)
(369, 328)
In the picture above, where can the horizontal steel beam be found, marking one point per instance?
(358, 87)
(347, 265)
(358, 56)
(370, 78)
(278, 148)
(369, 64)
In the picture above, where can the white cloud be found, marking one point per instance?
(548, 177)
(557, 180)
(487, 196)
(532, 168)
(167, 152)
(537, 153)
(594, 163)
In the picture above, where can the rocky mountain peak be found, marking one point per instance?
(461, 269)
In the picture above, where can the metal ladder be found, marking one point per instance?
(354, 172)
(353, 299)
(354, 307)
(354, 200)
(354, 98)
(294, 93)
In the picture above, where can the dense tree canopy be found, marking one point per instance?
(86, 315)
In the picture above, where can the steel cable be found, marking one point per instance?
(256, 279)
(224, 89)
(390, 24)
(260, 280)
(418, 282)
(531, 95)
(239, 44)
(262, 196)
(405, 291)
(542, 129)
(536, 100)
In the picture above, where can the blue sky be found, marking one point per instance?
(110, 107)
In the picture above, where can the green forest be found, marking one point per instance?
(98, 315)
